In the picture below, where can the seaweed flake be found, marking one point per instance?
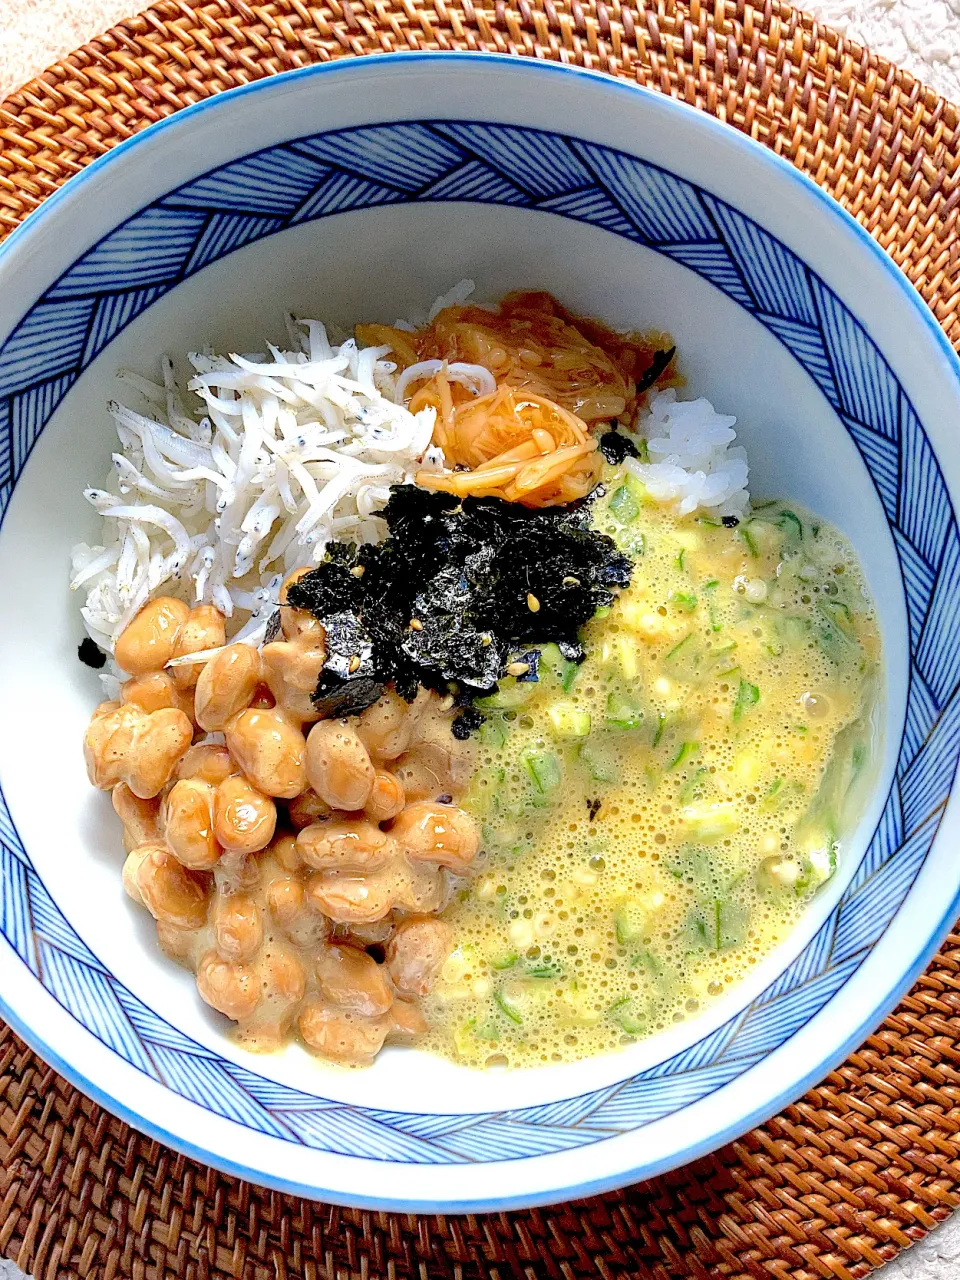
(573, 652)
(349, 680)
(657, 367)
(90, 654)
(466, 722)
(532, 660)
(454, 590)
(615, 446)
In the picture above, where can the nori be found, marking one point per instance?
(349, 679)
(615, 446)
(465, 722)
(657, 367)
(90, 654)
(454, 591)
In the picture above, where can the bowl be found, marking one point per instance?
(364, 189)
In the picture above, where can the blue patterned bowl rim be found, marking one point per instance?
(331, 172)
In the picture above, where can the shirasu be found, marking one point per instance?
(289, 449)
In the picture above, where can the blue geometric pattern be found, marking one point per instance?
(310, 178)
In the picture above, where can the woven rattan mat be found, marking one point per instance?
(860, 1167)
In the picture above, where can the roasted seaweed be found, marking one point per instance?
(615, 446)
(90, 654)
(465, 722)
(656, 369)
(349, 679)
(455, 591)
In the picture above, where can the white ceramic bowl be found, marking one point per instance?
(363, 190)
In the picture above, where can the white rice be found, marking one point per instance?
(299, 447)
(692, 465)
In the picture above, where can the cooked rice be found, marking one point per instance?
(692, 464)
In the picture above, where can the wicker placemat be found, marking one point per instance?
(860, 1167)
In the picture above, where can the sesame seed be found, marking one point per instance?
(354, 664)
(517, 668)
(486, 640)
(533, 604)
(416, 624)
(570, 581)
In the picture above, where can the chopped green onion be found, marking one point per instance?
(836, 632)
(647, 960)
(623, 712)
(505, 962)
(625, 1019)
(629, 920)
(694, 789)
(779, 794)
(721, 652)
(681, 556)
(493, 732)
(569, 720)
(558, 667)
(709, 588)
(601, 764)
(839, 614)
(624, 505)
(684, 600)
(507, 1007)
(661, 725)
(719, 923)
(544, 769)
(792, 529)
(678, 647)
(511, 694)
(685, 751)
(748, 695)
(792, 630)
(745, 534)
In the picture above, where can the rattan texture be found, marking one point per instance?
(864, 1164)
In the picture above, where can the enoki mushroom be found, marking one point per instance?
(516, 445)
